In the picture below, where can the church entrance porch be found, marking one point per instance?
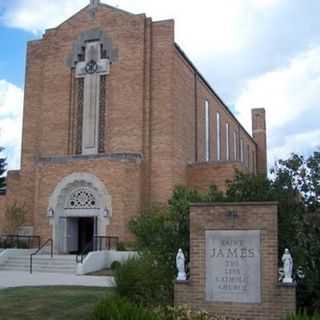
(80, 234)
(79, 211)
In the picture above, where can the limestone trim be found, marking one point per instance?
(64, 191)
(93, 34)
(137, 157)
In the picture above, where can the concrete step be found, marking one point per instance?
(37, 269)
(37, 260)
(41, 263)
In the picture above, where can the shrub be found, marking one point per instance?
(143, 281)
(184, 313)
(15, 216)
(115, 265)
(304, 316)
(116, 308)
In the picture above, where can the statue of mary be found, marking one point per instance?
(287, 266)
(180, 262)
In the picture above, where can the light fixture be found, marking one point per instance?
(50, 212)
(106, 212)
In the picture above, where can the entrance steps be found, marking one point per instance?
(64, 264)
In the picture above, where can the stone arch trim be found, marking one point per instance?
(57, 203)
(80, 177)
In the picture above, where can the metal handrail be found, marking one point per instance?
(36, 252)
(84, 252)
(108, 242)
(17, 238)
(94, 244)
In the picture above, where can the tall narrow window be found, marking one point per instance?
(248, 156)
(227, 143)
(218, 137)
(235, 156)
(207, 130)
(241, 150)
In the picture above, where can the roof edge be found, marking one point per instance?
(88, 7)
(188, 60)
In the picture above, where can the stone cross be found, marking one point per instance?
(91, 69)
(94, 4)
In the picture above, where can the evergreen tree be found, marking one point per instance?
(3, 166)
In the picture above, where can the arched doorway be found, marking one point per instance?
(81, 208)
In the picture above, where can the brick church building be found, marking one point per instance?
(116, 116)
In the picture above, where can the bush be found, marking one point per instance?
(15, 216)
(143, 281)
(116, 308)
(304, 316)
(184, 313)
(115, 265)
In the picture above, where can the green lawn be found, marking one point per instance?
(50, 303)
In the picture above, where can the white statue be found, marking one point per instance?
(287, 266)
(180, 262)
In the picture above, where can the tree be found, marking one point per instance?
(15, 217)
(295, 186)
(3, 166)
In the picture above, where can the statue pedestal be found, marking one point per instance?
(182, 276)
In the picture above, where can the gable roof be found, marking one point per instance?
(87, 7)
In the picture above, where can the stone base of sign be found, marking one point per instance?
(273, 301)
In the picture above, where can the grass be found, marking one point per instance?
(50, 303)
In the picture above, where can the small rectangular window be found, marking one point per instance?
(227, 142)
(207, 130)
(218, 137)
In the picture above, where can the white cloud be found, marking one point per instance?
(35, 16)
(249, 50)
(292, 101)
(11, 105)
(213, 26)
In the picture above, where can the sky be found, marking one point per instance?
(254, 53)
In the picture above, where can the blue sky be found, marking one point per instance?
(255, 53)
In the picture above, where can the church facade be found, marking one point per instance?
(116, 116)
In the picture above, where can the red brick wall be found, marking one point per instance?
(154, 107)
(260, 136)
(203, 175)
(277, 301)
(121, 178)
(2, 208)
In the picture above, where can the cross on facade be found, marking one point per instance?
(94, 3)
(90, 70)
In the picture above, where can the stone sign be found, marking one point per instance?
(233, 266)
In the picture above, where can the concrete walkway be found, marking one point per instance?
(12, 279)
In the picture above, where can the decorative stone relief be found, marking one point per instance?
(79, 195)
(91, 58)
(82, 198)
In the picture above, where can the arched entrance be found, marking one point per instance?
(80, 208)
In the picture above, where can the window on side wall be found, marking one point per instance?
(207, 130)
(227, 142)
(218, 137)
(241, 150)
